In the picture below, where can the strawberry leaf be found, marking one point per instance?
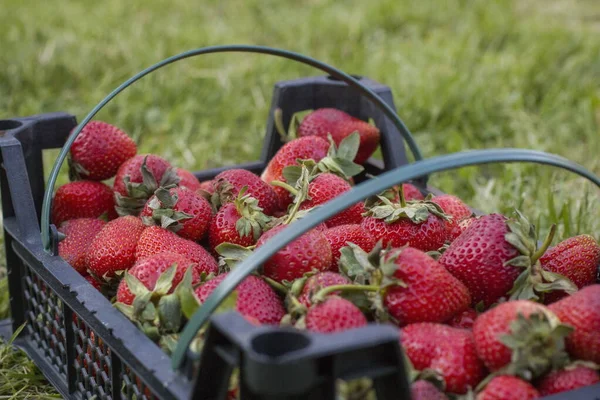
(169, 313)
(348, 147)
(165, 281)
(292, 173)
(231, 254)
(136, 287)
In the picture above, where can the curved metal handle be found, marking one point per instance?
(358, 193)
(389, 112)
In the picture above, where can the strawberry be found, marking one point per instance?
(148, 270)
(207, 186)
(335, 314)
(330, 121)
(456, 229)
(187, 179)
(507, 387)
(156, 240)
(310, 252)
(411, 192)
(464, 320)
(582, 311)
(576, 258)
(255, 299)
(571, 378)
(424, 390)
(179, 210)
(98, 151)
(455, 208)
(523, 336)
(339, 236)
(446, 350)
(79, 234)
(94, 282)
(312, 147)
(228, 185)
(82, 199)
(312, 284)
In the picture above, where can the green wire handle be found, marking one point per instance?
(358, 193)
(351, 81)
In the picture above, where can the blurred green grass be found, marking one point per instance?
(466, 74)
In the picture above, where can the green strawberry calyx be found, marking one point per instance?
(252, 220)
(232, 254)
(77, 171)
(295, 120)
(426, 374)
(163, 211)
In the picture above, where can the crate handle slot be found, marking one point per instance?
(336, 73)
(358, 193)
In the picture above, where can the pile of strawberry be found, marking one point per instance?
(483, 309)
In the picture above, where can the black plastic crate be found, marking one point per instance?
(88, 349)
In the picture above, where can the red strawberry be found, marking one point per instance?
(310, 252)
(521, 333)
(411, 192)
(446, 350)
(256, 300)
(82, 199)
(570, 378)
(79, 235)
(335, 314)
(113, 248)
(132, 168)
(582, 311)
(464, 320)
(325, 121)
(180, 210)
(455, 208)
(98, 151)
(187, 179)
(317, 282)
(229, 184)
(424, 390)
(507, 387)
(339, 236)
(156, 240)
(311, 147)
(456, 230)
(148, 270)
(576, 258)
(208, 186)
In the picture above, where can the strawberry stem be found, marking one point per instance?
(321, 294)
(540, 252)
(293, 212)
(286, 186)
(275, 285)
(401, 195)
(278, 118)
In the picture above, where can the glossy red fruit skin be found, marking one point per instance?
(567, 379)
(456, 230)
(310, 252)
(320, 281)
(432, 293)
(256, 300)
(423, 390)
(113, 249)
(449, 351)
(506, 387)
(340, 235)
(455, 208)
(133, 168)
(576, 258)
(326, 187)
(82, 199)
(148, 270)
(79, 235)
(427, 236)
(156, 240)
(325, 121)
(335, 314)
(257, 188)
(464, 320)
(188, 180)
(311, 147)
(581, 310)
(208, 186)
(100, 148)
(411, 192)
(193, 204)
(493, 324)
(477, 259)
(222, 228)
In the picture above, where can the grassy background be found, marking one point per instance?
(465, 74)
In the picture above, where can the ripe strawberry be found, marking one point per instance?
(148, 270)
(314, 283)
(521, 333)
(455, 208)
(179, 210)
(446, 350)
(339, 236)
(464, 320)
(310, 252)
(207, 186)
(335, 314)
(187, 179)
(507, 387)
(411, 193)
(79, 235)
(582, 311)
(570, 378)
(576, 258)
(113, 248)
(256, 300)
(228, 185)
(325, 121)
(424, 390)
(82, 199)
(456, 229)
(98, 151)
(312, 147)
(156, 240)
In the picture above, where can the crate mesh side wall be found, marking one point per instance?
(93, 366)
(133, 387)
